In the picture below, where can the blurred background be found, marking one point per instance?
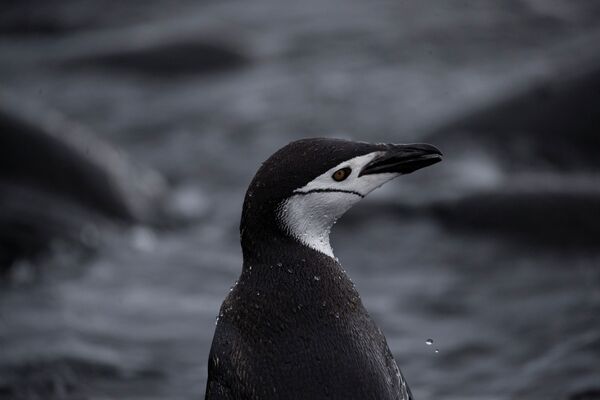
(129, 132)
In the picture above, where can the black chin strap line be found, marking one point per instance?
(329, 191)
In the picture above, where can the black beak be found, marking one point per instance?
(403, 159)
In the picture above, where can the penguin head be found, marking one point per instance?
(302, 189)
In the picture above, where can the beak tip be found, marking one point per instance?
(425, 148)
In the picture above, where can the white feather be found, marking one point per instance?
(312, 210)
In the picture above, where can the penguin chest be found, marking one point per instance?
(315, 355)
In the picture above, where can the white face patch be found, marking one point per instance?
(310, 213)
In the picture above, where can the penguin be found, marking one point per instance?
(293, 326)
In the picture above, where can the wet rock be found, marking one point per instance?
(61, 378)
(32, 220)
(166, 59)
(29, 18)
(588, 394)
(32, 157)
(525, 165)
(55, 178)
(550, 124)
(49, 380)
(556, 218)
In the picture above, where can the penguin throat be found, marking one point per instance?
(309, 217)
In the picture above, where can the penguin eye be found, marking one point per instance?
(341, 174)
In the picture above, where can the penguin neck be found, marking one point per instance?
(266, 230)
(272, 244)
(267, 244)
(291, 263)
(274, 257)
(303, 219)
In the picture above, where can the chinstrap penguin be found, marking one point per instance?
(294, 326)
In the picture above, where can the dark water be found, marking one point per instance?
(492, 254)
